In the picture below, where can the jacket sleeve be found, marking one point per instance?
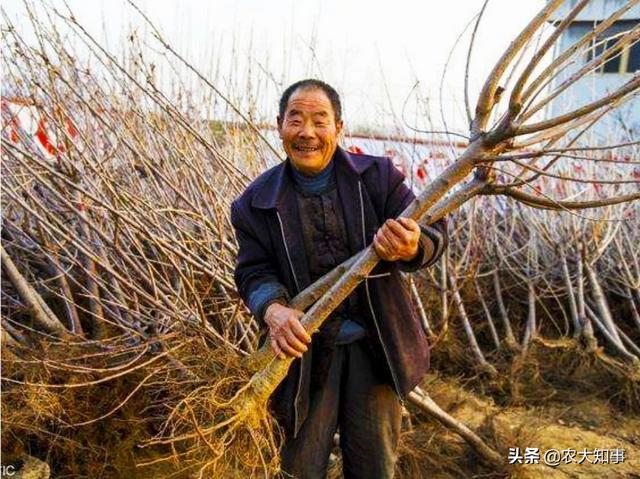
(399, 197)
(255, 275)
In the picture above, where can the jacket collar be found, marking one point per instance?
(273, 192)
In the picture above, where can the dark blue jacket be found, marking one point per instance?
(271, 248)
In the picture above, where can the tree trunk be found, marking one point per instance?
(587, 328)
(573, 305)
(602, 305)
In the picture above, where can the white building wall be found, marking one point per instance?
(598, 10)
(625, 121)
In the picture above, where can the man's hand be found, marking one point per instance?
(286, 333)
(397, 239)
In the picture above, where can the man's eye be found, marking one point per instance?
(294, 122)
(321, 125)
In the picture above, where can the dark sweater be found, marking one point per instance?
(326, 244)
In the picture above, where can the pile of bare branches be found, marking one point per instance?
(118, 299)
(571, 262)
(120, 321)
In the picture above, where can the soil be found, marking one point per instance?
(580, 422)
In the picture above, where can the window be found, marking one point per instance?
(624, 60)
(612, 65)
(633, 61)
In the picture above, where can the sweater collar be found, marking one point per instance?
(314, 184)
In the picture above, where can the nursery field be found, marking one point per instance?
(127, 352)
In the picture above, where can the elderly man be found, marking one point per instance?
(296, 222)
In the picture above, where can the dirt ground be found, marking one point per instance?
(578, 404)
(588, 423)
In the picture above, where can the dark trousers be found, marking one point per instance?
(358, 400)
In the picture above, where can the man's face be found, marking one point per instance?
(309, 130)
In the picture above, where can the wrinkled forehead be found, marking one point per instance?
(310, 100)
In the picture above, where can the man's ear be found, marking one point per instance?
(339, 125)
(279, 122)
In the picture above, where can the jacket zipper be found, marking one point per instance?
(373, 314)
(295, 280)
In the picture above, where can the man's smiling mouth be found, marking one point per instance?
(306, 149)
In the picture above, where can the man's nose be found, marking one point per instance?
(306, 131)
